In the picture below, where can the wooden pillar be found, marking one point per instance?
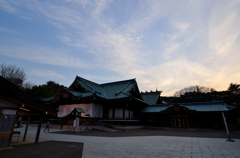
(39, 128)
(124, 113)
(25, 134)
(2, 135)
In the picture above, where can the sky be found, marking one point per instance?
(165, 45)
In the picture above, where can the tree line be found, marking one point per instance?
(32, 92)
(195, 93)
(205, 94)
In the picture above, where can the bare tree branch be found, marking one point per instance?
(191, 89)
(12, 73)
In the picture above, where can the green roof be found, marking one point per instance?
(113, 90)
(79, 110)
(198, 106)
(151, 97)
(208, 106)
(83, 88)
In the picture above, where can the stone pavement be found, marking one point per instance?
(142, 147)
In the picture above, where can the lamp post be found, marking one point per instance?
(225, 122)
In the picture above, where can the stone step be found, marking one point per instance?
(102, 128)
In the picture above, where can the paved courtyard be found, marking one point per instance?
(141, 146)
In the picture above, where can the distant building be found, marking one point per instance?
(189, 115)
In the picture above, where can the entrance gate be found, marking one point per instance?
(179, 121)
(178, 115)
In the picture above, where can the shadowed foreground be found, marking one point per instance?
(151, 131)
(53, 149)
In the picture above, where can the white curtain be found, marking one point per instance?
(126, 114)
(97, 111)
(118, 113)
(110, 113)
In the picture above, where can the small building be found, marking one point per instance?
(12, 105)
(187, 115)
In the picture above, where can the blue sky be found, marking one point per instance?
(166, 45)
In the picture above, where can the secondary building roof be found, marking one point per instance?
(10, 92)
(151, 97)
(198, 106)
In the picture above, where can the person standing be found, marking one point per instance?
(47, 127)
(19, 121)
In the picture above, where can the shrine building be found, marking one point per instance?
(123, 102)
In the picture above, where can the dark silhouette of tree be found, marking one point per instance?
(234, 88)
(38, 92)
(13, 73)
(28, 85)
(193, 89)
(55, 86)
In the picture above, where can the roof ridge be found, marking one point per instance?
(210, 102)
(134, 79)
(105, 93)
(88, 80)
(151, 92)
(91, 87)
(122, 89)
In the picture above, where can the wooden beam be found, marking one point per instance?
(10, 108)
(39, 128)
(36, 106)
(25, 134)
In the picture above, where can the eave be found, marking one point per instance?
(36, 107)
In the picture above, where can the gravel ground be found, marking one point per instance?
(53, 149)
(151, 131)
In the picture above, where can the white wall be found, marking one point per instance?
(9, 112)
(8, 104)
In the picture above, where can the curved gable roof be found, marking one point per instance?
(119, 89)
(112, 90)
(151, 97)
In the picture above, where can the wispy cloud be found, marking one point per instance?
(181, 25)
(224, 29)
(10, 31)
(164, 44)
(42, 55)
(6, 6)
(45, 73)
